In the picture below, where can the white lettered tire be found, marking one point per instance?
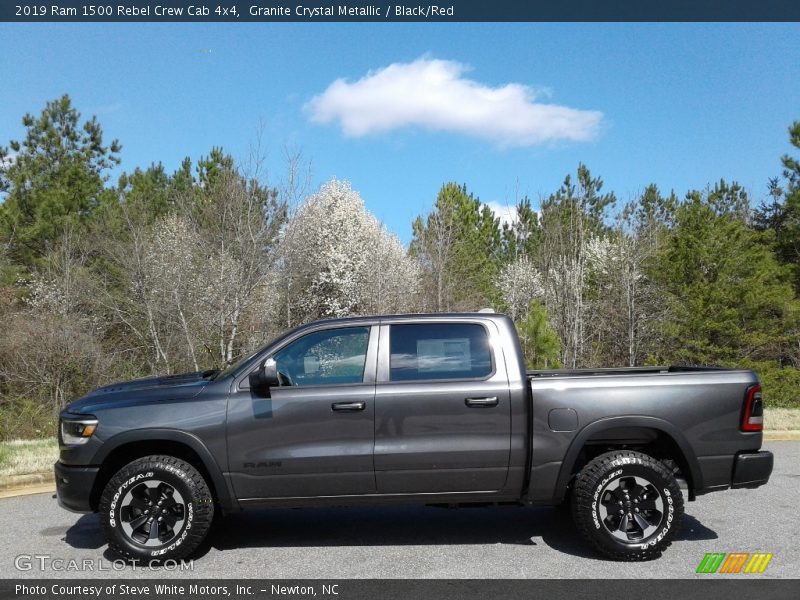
(156, 508)
(627, 504)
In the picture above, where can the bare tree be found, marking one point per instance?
(174, 276)
(569, 219)
(629, 310)
(124, 291)
(238, 225)
(50, 348)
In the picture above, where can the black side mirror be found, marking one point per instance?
(265, 377)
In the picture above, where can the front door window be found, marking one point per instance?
(328, 357)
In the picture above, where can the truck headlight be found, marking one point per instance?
(77, 431)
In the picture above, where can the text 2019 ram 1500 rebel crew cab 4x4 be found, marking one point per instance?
(408, 408)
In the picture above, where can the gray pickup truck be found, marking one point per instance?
(433, 409)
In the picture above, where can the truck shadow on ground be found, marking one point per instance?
(86, 533)
(388, 526)
(399, 526)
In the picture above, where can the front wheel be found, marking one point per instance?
(156, 508)
(628, 505)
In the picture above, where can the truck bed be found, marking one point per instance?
(539, 373)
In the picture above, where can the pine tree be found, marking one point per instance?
(729, 298)
(459, 247)
(52, 179)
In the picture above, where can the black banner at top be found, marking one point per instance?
(244, 11)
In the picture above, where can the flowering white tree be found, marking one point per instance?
(519, 283)
(336, 259)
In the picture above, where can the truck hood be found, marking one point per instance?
(142, 391)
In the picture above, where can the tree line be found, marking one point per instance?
(162, 272)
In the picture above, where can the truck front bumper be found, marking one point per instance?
(752, 469)
(74, 487)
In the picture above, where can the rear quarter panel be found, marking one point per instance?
(701, 411)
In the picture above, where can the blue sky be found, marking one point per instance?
(681, 105)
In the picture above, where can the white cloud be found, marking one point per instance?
(505, 212)
(435, 95)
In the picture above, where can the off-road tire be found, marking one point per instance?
(153, 477)
(613, 480)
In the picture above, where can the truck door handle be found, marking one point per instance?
(481, 402)
(348, 406)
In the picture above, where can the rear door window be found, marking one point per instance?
(430, 351)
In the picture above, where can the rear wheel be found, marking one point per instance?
(628, 505)
(156, 508)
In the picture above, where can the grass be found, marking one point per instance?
(782, 419)
(20, 457)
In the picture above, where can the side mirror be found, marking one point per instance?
(265, 376)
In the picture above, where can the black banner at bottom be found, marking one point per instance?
(399, 589)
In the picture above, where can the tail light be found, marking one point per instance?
(753, 413)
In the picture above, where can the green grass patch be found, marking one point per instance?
(20, 457)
